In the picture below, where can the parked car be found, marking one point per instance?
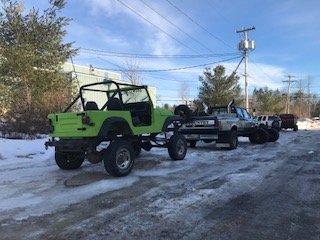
(289, 121)
(269, 121)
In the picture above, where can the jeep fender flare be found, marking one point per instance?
(112, 122)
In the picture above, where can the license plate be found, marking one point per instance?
(204, 122)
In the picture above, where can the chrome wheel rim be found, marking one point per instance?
(123, 158)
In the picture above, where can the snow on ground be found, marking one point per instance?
(307, 123)
(31, 184)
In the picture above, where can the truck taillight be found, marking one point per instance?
(85, 120)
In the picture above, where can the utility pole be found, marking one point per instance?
(309, 96)
(289, 81)
(245, 45)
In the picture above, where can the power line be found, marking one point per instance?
(261, 69)
(168, 34)
(173, 69)
(139, 55)
(174, 80)
(198, 24)
(219, 12)
(176, 26)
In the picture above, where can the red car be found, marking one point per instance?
(289, 121)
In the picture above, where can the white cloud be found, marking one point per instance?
(155, 34)
(260, 75)
(109, 7)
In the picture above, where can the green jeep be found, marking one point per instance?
(112, 121)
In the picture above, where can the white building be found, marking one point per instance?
(88, 74)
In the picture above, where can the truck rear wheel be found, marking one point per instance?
(119, 158)
(233, 140)
(273, 135)
(69, 160)
(259, 136)
(192, 143)
(177, 147)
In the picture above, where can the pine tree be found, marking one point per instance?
(218, 88)
(32, 52)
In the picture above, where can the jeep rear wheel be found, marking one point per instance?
(259, 136)
(119, 158)
(69, 160)
(177, 147)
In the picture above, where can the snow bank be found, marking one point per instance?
(308, 124)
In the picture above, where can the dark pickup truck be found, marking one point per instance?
(223, 125)
(289, 121)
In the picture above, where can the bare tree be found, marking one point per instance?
(184, 92)
(131, 73)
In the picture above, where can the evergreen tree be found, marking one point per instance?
(31, 54)
(218, 88)
(268, 101)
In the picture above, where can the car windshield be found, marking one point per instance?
(246, 115)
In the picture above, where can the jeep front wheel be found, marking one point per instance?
(119, 158)
(177, 147)
(69, 160)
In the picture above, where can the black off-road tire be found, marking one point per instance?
(276, 125)
(183, 111)
(192, 143)
(177, 147)
(119, 158)
(273, 135)
(259, 136)
(233, 140)
(295, 128)
(69, 160)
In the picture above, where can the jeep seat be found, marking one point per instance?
(114, 104)
(90, 105)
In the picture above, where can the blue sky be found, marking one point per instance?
(287, 39)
